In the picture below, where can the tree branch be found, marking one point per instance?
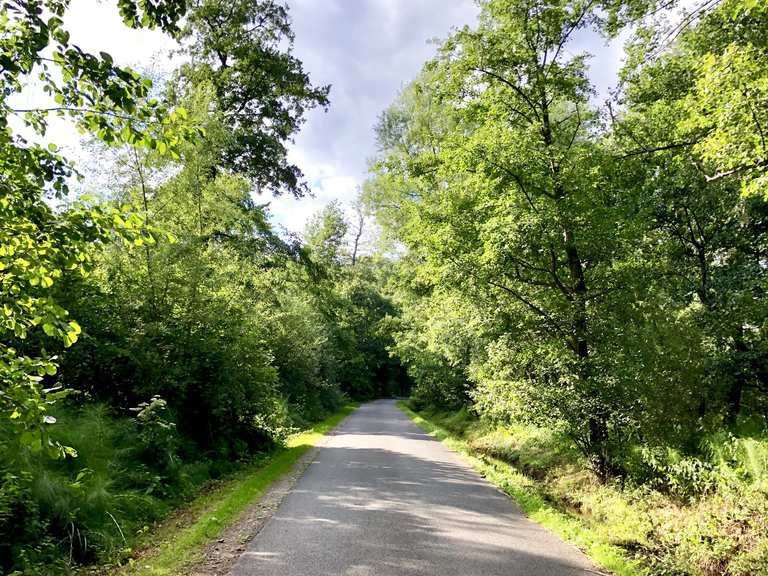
(514, 87)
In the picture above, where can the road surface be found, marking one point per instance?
(383, 498)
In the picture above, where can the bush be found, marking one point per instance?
(90, 508)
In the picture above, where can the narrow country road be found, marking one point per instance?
(383, 498)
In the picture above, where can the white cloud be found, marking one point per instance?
(326, 185)
(367, 50)
(97, 27)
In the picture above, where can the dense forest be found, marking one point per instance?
(156, 330)
(573, 283)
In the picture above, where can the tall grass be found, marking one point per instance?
(86, 508)
(90, 509)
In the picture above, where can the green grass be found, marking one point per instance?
(216, 510)
(595, 543)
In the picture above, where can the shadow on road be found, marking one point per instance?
(383, 498)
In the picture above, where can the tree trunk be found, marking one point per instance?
(736, 389)
(598, 422)
(147, 251)
(358, 235)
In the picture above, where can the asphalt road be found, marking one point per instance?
(383, 498)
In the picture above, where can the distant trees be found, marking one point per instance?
(352, 294)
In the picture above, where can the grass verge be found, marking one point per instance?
(595, 543)
(211, 513)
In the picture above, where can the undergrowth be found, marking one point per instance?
(128, 475)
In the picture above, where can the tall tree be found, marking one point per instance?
(243, 49)
(512, 196)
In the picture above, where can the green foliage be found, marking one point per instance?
(39, 245)
(85, 504)
(325, 234)
(718, 105)
(513, 206)
(243, 48)
(348, 293)
(159, 439)
(560, 271)
(98, 506)
(203, 337)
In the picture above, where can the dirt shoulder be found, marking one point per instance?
(220, 555)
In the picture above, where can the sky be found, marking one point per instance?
(367, 50)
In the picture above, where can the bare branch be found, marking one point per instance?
(514, 87)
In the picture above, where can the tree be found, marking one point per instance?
(510, 196)
(243, 49)
(39, 244)
(326, 232)
(572, 273)
(691, 118)
(721, 62)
